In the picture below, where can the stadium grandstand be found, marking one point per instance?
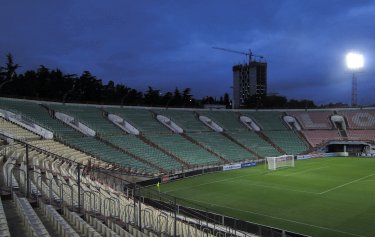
(84, 166)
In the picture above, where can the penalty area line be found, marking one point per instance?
(345, 184)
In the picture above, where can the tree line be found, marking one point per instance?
(54, 85)
(277, 101)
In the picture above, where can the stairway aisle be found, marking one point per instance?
(51, 230)
(16, 227)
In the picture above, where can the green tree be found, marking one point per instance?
(301, 104)
(273, 101)
(109, 92)
(166, 99)
(131, 97)
(226, 100)
(88, 88)
(186, 97)
(9, 71)
(177, 98)
(208, 100)
(152, 97)
(55, 85)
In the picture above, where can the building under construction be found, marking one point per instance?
(249, 79)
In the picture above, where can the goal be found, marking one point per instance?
(280, 161)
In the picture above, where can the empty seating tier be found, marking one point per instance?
(318, 137)
(39, 115)
(267, 120)
(94, 118)
(4, 229)
(363, 135)
(288, 141)
(107, 153)
(222, 145)
(31, 220)
(184, 149)
(90, 116)
(251, 140)
(108, 211)
(228, 120)
(16, 131)
(186, 119)
(67, 152)
(157, 149)
(142, 119)
(360, 119)
(313, 119)
(147, 152)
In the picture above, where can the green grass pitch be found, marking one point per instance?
(318, 197)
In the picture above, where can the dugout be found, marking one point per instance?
(352, 147)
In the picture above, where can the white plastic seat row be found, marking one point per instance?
(68, 190)
(56, 188)
(47, 192)
(125, 211)
(16, 130)
(83, 226)
(58, 222)
(106, 198)
(123, 233)
(33, 224)
(126, 214)
(43, 187)
(101, 227)
(4, 228)
(33, 189)
(80, 224)
(9, 177)
(66, 151)
(6, 170)
(162, 222)
(44, 163)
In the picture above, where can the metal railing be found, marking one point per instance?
(146, 208)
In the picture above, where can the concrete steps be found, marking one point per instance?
(16, 228)
(51, 230)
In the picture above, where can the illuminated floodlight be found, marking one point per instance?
(354, 61)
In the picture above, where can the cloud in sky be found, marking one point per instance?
(168, 43)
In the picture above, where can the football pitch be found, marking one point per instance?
(318, 197)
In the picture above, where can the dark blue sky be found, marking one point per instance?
(168, 43)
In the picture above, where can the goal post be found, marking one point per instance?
(280, 161)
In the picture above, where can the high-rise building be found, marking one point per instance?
(249, 80)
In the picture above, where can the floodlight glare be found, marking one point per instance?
(354, 61)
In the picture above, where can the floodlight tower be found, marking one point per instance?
(354, 62)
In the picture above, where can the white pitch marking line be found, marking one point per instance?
(345, 184)
(279, 218)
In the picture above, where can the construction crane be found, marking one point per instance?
(249, 54)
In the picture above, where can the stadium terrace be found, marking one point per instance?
(93, 169)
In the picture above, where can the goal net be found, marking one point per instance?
(280, 161)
